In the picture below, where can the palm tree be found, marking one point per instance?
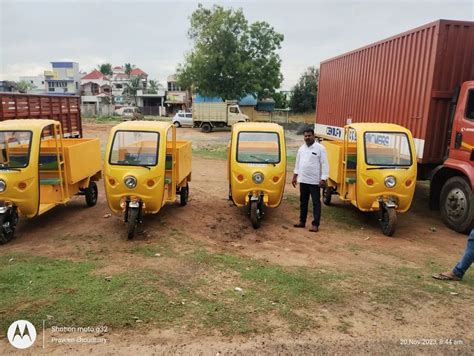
(153, 86)
(128, 68)
(133, 86)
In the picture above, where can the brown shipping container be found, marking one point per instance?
(407, 79)
(66, 109)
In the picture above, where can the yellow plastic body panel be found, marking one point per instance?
(151, 188)
(272, 187)
(81, 157)
(183, 159)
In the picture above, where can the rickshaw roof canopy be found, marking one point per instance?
(26, 124)
(257, 126)
(373, 126)
(141, 125)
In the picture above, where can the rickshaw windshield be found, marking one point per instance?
(15, 149)
(258, 147)
(387, 149)
(135, 148)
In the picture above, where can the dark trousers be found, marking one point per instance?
(305, 191)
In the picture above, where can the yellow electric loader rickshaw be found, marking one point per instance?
(145, 168)
(256, 157)
(39, 169)
(373, 168)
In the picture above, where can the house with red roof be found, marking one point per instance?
(95, 83)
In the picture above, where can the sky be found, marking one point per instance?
(153, 34)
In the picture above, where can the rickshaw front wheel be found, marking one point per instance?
(255, 215)
(388, 220)
(9, 220)
(91, 194)
(132, 222)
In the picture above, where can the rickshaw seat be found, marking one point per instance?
(50, 181)
(350, 180)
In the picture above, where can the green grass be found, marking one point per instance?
(103, 119)
(217, 152)
(75, 295)
(267, 287)
(34, 287)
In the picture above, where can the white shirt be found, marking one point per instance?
(311, 164)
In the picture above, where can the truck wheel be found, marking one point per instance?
(255, 215)
(184, 195)
(206, 127)
(388, 220)
(457, 204)
(91, 194)
(327, 195)
(132, 222)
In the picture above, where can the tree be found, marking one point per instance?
(230, 58)
(153, 86)
(128, 68)
(23, 86)
(305, 91)
(132, 87)
(280, 100)
(105, 68)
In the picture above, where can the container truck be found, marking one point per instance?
(65, 109)
(210, 115)
(422, 79)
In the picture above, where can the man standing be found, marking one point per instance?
(311, 172)
(463, 265)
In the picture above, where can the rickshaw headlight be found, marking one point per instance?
(390, 182)
(3, 185)
(130, 182)
(257, 177)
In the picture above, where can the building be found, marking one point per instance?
(63, 79)
(37, 84)
(177, 99)
(95, 83)
(8, 86)
(152, 103)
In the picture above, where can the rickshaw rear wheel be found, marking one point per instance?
(132, 222)
(184, 195)
(91, 194)
(255, 215)
(388, 221)
(327, 195)
(11, 220)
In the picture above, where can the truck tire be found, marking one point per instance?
(206, 127)
(457, 204)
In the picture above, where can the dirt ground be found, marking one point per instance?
(349, 242)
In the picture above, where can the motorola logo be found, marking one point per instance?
(21, 334)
